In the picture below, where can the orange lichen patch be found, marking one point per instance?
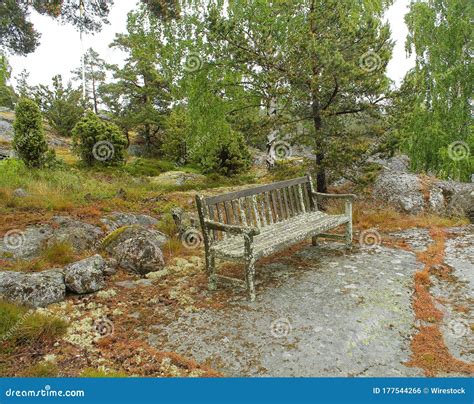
(434, 254)
(430, 353)
(443, 272)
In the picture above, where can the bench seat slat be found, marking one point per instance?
(273, 238)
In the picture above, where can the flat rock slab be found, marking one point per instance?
(336, 314)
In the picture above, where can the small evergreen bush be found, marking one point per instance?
(98, 142)
(29, 141)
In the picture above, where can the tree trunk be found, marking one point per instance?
(320, 148)
(94, 96)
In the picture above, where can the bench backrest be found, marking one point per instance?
(260, 206)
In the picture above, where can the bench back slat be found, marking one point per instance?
(259, 206)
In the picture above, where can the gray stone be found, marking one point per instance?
(20, 193)
(24, 244)
(6, 131)
(33, 289)
(111, 265)
(139, 254)
(85, 276)
(118, 219)
(401, 189)
(183, 220)
(462, 204)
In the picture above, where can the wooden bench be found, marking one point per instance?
(253, 223)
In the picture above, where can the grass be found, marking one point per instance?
(55, 255)
(20, 326)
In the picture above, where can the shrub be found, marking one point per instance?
(29, 141)
(98, 142)
(227, 156)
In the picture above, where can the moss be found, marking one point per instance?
(110, 238)
(41, 369)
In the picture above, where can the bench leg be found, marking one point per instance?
(348, 234)
(250, 278)
(211, 271)
(314, 240)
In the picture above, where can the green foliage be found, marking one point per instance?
(29, 141)
(95, 75)
(98, 142)
(177, 136)
(141, 167)
(41, 369)
(19, 35)
(7, 95)
(61, 105)
(20, 326)
(139, 96)
(92, 372)
(434, 112)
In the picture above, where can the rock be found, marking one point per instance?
(85, 276)
(6, 131)
(24, 244)
(127, 232)
(111, 265)
(177, 178)
(401, 189)
(35, 289)
(20, 193)
(82, 236)
(118, 219)
(462, 204)
(136, 248)
(137, 150)
(436, 200)
(140, 255)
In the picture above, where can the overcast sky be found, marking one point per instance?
(59, 52)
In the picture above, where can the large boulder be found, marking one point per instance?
(82, 236)
(462, 204)
(85, 276)
(118, 219)
(136, 248)
(24, 244)
(401, 189)
(35, 289)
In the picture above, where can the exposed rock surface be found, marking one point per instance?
(85, 276)
(136, 248)
(24, 244)
(20, 193)
(119, 219)
(82, 236)
(177, 178)
(6, 131)
(412, 193)
(35, 289)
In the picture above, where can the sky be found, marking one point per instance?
(60, 48)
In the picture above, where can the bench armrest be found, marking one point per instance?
(231, 228)
(333, 196)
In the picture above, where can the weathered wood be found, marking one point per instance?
(253, 191)
(231, 281)
(260, 221)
